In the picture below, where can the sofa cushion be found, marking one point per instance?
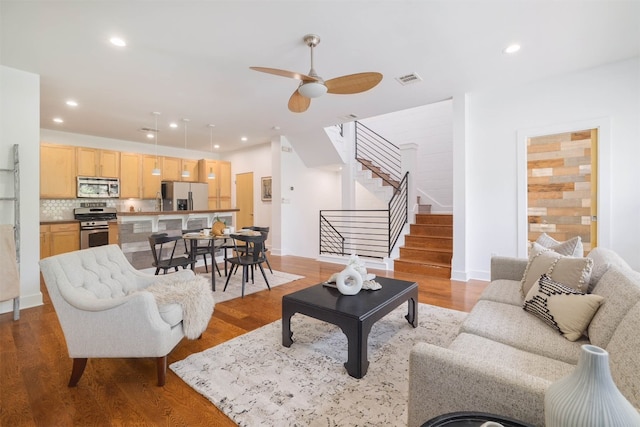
(572, 247)
(492, 352)
(570, 271)
(563, 308)
(171, 313)
(504, 291)
(603, 258)
(620, 288)
(511, 325)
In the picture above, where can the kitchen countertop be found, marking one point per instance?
(175, 212)
(59, 221)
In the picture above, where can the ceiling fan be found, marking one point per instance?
(313, 86)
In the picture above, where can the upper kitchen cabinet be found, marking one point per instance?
(57, 171)
(130, 168)
(95, 162)
(136, 177)
(171, 169)
(150, 183)
(220, 186)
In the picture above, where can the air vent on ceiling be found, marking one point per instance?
(409, 79)
(148, 130)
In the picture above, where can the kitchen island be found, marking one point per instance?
(134, 229)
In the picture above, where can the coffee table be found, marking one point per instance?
(354, 314)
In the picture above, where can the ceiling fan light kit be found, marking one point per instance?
(313, 86)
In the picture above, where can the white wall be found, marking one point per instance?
(495, 118)
(20, 124)
(256, 159)
(430, 128)
(304, 192)
(79, 140)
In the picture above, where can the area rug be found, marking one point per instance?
(234, 290)
(256, 381)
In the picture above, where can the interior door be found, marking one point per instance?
(244, 200)
(561, 186)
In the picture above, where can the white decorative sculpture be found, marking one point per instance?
(349, 287)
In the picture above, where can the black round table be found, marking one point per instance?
(471, 419)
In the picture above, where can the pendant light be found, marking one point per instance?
(156, 170)
(185, 172)
(211, 175)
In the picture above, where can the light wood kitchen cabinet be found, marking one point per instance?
(192, 167)
(57, 171)
(97, 163)
(130, 171)
(136, 179)
(220, 186)
(171, 169)
(150, 183)
(114, 238)
(57, 239)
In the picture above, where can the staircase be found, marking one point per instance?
(428, 247)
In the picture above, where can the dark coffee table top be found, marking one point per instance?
(355, 305)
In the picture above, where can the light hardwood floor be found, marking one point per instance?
(35, 367)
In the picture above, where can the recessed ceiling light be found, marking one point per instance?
(173, 125)
(71, 103)
(117, 41)
(511, 48)
(243, 139)
(58, 120)
(151, 135)
(216, 146)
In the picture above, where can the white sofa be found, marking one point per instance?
(504, 358)
(94, 294)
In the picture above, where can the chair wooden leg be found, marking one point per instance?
(227, 282)
(161, 367)
(76, 372)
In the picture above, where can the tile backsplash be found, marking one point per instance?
(62, 209)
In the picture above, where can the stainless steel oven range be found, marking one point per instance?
(94, 225)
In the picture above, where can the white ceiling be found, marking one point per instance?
(191, 59)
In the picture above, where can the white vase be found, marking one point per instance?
(588, 397)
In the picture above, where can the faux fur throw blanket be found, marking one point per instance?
(195, 297)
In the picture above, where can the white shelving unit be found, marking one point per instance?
(16, 215)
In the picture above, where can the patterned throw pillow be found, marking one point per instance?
(573, 272)
(571, 247)
(563, 308)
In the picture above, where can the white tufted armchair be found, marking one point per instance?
(92, 293)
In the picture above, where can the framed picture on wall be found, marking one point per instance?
(266, 189)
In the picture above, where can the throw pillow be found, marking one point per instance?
(571, 247)
(217, 228)
(573, 272)
(563, 308)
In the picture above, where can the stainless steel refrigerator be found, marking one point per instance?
(184, 196)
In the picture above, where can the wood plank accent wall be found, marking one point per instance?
(559, 184)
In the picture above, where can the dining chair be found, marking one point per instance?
(252, 256)
(203, 247)
(160, 244)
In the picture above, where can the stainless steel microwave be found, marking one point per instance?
(91, 187)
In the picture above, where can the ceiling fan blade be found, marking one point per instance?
(298, 103)
(353, 83)
(285, 73)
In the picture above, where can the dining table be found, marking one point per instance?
(193, 239)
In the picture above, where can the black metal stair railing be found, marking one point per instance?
(379, 155)
(366, 232)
